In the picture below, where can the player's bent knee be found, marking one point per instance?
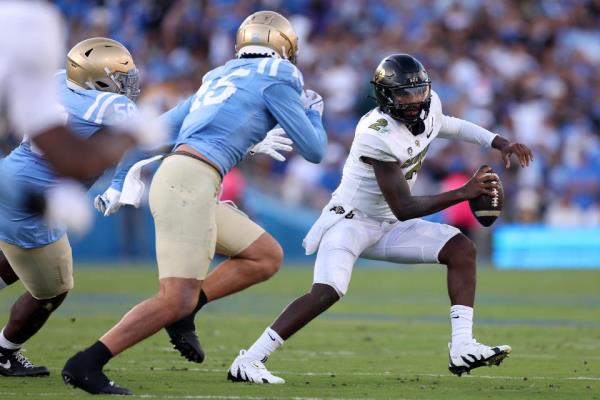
(460, 250)
(273, 260)
(49, 305)
(325, 295)
(267, 254)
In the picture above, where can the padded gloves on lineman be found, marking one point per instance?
(108, 202)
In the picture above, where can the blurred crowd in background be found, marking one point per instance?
(525, 69)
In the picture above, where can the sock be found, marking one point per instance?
(461, 318)
(98, 354)
(202, 300)
(6, 346)
(186, 324)
(2, 283)
(267, 343)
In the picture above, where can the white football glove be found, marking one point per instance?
(108, 202)
(313, 100)
(67, 203)
(272, 144)
(147, 129)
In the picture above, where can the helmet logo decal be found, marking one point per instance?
(410, 151)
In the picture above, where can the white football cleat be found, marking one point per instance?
(471, 355)
(245, 369)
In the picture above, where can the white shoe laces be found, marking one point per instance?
(21, 359)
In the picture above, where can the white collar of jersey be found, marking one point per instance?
(253, 49)
(74, 86)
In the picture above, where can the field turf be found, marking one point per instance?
(386, 339)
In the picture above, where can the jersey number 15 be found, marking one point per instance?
(209, 94)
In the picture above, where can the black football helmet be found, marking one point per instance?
(403, 90)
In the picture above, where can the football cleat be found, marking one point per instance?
(92, 380)
(186, 343)
(245, 369)
(471, 355)
(16, 364)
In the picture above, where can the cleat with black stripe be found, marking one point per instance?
(471, 355)
(245, 369)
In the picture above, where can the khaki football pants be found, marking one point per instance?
(190, 223)
(45, 271)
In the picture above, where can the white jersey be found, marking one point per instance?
(381, 137)
(32, 48)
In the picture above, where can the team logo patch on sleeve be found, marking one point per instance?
(338, 210)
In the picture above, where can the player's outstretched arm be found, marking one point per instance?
(78, 158)
(405, 206)
(456, 128)
(508, 148)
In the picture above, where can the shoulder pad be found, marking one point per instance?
(374, 122)
(109, 109)
(282, 70)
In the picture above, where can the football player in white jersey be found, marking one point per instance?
(373, 215)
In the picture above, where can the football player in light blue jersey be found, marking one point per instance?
(231, 112)
(96, 93)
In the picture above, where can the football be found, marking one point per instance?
(487, 209)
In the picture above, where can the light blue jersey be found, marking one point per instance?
(88, 111)
(237, 104)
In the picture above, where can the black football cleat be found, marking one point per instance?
(92, 380)
(186, 343)
(16, 364)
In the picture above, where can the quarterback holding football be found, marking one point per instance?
(373, 215)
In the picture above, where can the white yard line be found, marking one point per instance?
(385, 373)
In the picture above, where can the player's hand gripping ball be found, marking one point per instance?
(487, 207)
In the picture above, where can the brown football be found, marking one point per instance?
(487, 209)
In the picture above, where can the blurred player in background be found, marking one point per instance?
(32, 52)
(96, 92)
(373, 215)
(233, 109)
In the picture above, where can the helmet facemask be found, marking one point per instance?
(408, 104)
(128, 84)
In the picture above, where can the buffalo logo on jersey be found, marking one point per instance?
(403, 90)
(103, 64)
(267, 32)
(337, 209)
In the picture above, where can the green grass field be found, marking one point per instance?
(386, 339)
